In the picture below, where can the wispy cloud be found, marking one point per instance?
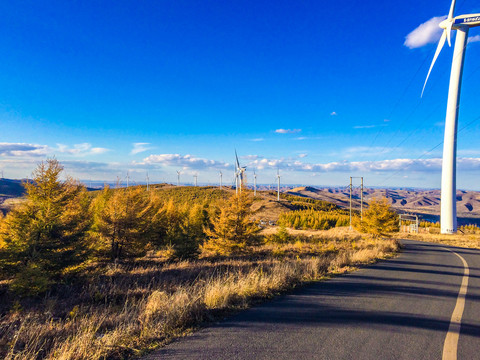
(333, 113)
(473, 39)
(22, 149)
(301, 156)
(250, 157)
(370, 126)
(364, 126)
(288, 131)
(83, 149)
(257, 139)
(417, 165)
(426, 33)
(184, 161)
(139, 148)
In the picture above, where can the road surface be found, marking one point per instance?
(396, 309)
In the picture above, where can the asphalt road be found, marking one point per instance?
(396, 309)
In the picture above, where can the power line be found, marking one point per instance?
(429, 151)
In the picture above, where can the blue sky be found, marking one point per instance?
(320, 90)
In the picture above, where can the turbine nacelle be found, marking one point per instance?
(449, 24)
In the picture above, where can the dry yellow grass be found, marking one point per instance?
(134, 307)
(459, 239)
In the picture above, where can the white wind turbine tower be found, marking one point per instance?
(240, 176)
(462, 23)
(221, 180)
(195, 177)
(254, 183)
(148, 182)
(178, 178)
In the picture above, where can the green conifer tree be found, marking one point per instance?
(46, 236)
(233, 229)
(379, 219)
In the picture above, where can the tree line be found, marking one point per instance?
(61, 227)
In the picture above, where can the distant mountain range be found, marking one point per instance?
(425, 202)
(11, 188)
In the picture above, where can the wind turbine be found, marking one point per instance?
(240, 176)
(221, 180)
(178, 178)
(254, 183)
(462, 23)
(195, 177)
(148, 182)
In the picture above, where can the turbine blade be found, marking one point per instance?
(449, 33)
(236, 157)
(452, 9)
(439, 48)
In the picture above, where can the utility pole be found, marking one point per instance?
(254, 184)
(278, 187)
(350, 202)
(221, 180)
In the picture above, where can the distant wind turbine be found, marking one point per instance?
(178, 178)
(221, 180)
(462, 24)
(254, 183)
(240, 175)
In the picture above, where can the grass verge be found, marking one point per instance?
(461, 240)
(126, 310)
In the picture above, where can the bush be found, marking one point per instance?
(282, 236)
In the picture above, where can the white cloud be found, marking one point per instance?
(184, 161)
(250, 157)
(83, 149)
(473, 39)
(364, 126)
(426, 33)
(22, 149)
(333, 113)
(257, 139)
(140, 147)
(301, 156)
(288, 131)
(418, 165)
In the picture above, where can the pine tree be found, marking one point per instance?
(45, 237)
(379, 219)
(232, 229)
(121, 226)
